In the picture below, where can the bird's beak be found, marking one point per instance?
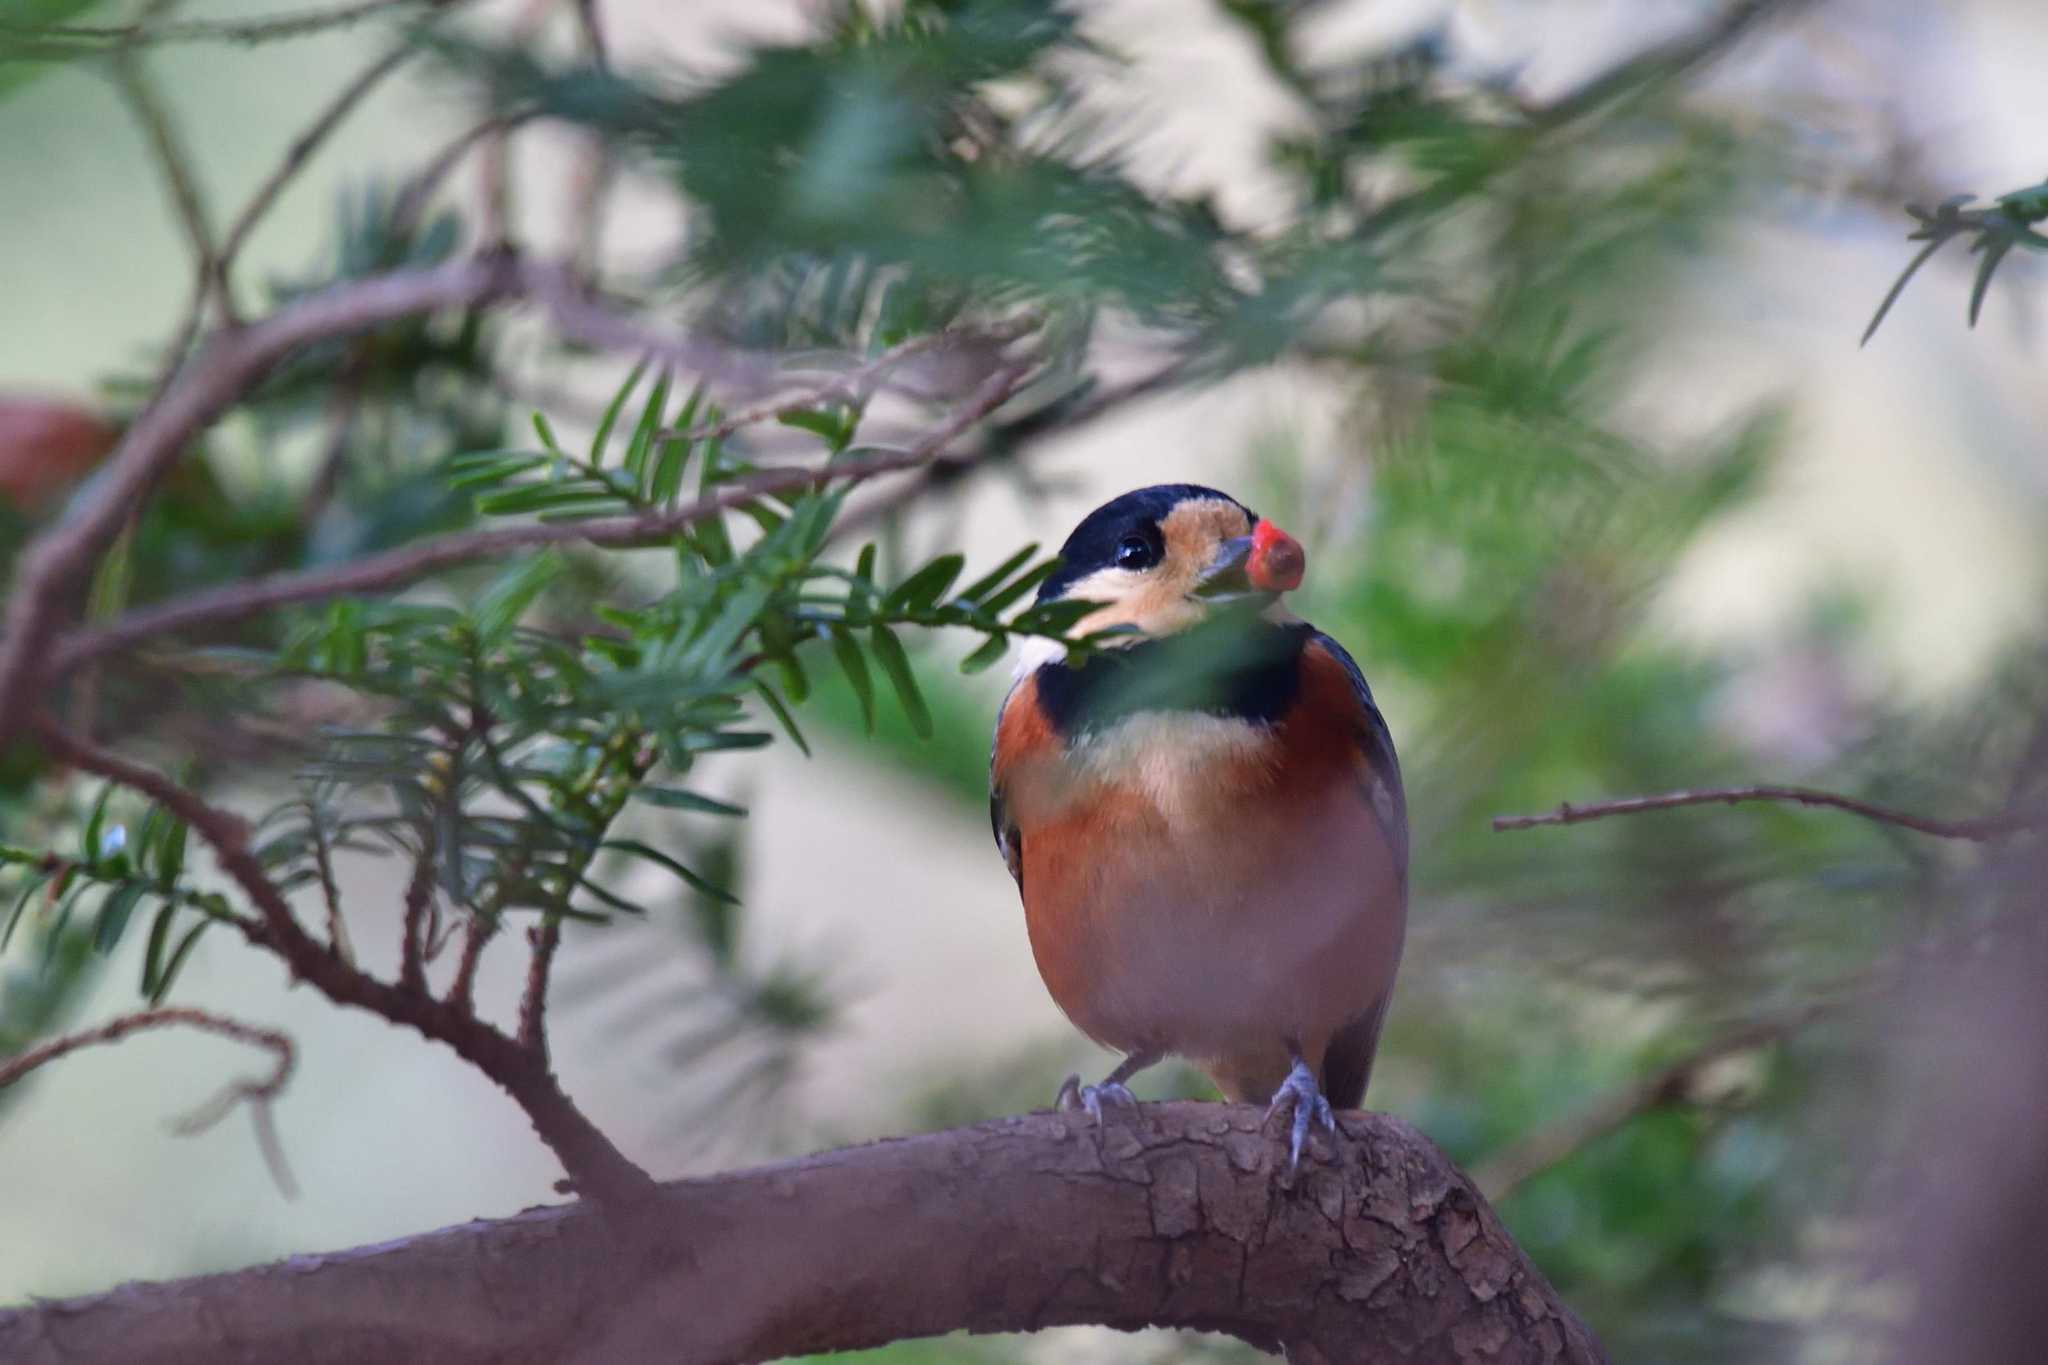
(1224, 576)
(1268, 562)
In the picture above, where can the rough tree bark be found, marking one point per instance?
(1378, 1250)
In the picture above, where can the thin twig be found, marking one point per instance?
(494, 164)
(1979, 831)
(1674, 1082)
(476, 936)
(262, 29)
(853, 385)
(412, 201)
(330, 891)
(221, 375)
(419, 896)
(295, 159)
(1528, 1157)
(597, 1167)
(257, 1094)
(173, 158)
(946, 469)
(592, 174)
(546, 938)
(396, 568)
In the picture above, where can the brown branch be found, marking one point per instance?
(395, 569)
(476, 936)
(854, 384)
(412, 200)
(233, 362)
(1979, 831)
(295, 159)
(168, 148)
(1501, 1174)
(257, 1094)
(596, 1166)
(1182, 1215)
(592, 174)
(546, 938)
(264, 28)
(21, 1064)
(419, 896)
(949, 469)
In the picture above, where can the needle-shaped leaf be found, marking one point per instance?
(177, 962)
(991, 580)
(1029, 582)
(115, 912)
(676, 798)
(896, 664)
(153, 955)
(787, 721)
(1899, 287)
(855, 666)
(645, 434)
(654, 855)
(1994, 249)
(924, 587)
(611, 413)
(22, 898)
(991, 650)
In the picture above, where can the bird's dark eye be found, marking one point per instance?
(1135, 552)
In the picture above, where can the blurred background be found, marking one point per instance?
(1595, 481)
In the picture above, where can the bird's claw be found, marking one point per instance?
(1300, 1092)
(1074, 1095)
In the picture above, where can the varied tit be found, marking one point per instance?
(1204, 816)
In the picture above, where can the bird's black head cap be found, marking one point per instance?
(1093, 544)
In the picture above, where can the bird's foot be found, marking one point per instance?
(1074, 1095)
(1300, 1092)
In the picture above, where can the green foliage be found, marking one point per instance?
(557, 737)
(111, 882)
(1994, 231)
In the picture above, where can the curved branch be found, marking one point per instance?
(1990, 827)
(260, 29)
(593, 1163)
(20, 1064)
(1378, 1251)
(256, 1093)
(50, 568)
(410, 563)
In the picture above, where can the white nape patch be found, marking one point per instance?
(1034, 653)
(1172, 757)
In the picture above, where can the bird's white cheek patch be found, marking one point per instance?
(1184, 763)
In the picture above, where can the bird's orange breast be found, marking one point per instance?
(1201, 884)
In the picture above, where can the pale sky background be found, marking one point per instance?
(1914, 467)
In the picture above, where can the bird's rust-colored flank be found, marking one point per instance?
(1212, 854)
(1224, 924)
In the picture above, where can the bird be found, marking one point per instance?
(1204, 815)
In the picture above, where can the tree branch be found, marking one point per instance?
(1978, 831)
(1378, 1251)
(234, 361)
(20, 1064)
(295, 158)
(257, 1094)
(597, 1167)
(546, 939)
(262, 29)
(396, 568)
(1501, 1174)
